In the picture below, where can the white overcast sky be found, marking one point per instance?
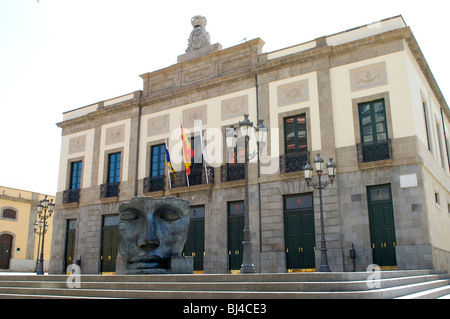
(58, 55)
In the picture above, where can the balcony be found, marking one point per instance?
(197, 177)
(154, 183)
(71, 196)
(293, 162)
(374, 151)
(109, 190)
(232, 172)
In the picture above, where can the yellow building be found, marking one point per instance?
(19, 242)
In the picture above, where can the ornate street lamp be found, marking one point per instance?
(331, 169)
(245, 128)
(45, 210)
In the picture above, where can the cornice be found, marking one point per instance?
(322, 51)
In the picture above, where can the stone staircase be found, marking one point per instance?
(349, 285)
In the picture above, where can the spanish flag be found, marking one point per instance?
(188, 152)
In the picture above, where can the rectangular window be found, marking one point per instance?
(236, 208)
(231, 155)
(114, 167)
(9, 213)
(295, 202)
(197, 160)
(157, 161)
(441, 148)
(376, 145)
(436, 198)
(75, 175)
(426, 125)
(373, 123)
(379, 193)
(295, 137)
(237, 154)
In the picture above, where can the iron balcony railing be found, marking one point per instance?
(71, 196)
(232, 172)
(197, 177)
(109, 190)
(374, 151)
(154, 183)
(293, 162)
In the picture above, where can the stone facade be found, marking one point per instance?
(325, 79)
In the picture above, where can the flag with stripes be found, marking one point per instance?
(188, 152)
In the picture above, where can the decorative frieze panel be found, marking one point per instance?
(235, 107)
(229, 64)
(157, 125)
(368, 76)
(293, 93)
(162, 84)
(196, 75)
(194, 114)
(77, 144)
(115, 134)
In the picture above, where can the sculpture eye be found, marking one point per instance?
(129, 215)
(168, 215)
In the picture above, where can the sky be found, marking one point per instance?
(59, 55)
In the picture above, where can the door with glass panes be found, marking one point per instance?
(374, 131)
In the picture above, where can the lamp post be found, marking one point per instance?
(331, 168)
(45, 210)
(245, 127)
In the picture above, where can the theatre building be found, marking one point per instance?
(364, 97)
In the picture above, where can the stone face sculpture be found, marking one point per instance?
(152, 234)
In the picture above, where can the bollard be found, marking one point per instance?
(353, 256)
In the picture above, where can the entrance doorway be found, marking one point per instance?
(69, 255)
(110, 243)
(382, 226)
(195, 243)
(235, 235)
(299, 231)
(5, 250)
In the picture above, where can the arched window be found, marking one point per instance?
(9, 213)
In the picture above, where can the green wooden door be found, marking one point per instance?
(382, 225)
(195, 243)
(70, 243)
(110, 243)
(299, 232)
(235, 235)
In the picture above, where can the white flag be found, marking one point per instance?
(202, 143)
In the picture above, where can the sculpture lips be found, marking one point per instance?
(149, 262)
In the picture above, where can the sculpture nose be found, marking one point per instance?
(148, 239)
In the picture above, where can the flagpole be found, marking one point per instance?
(202, 145)
(168, 171)
(206, 172)
(187, 176)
